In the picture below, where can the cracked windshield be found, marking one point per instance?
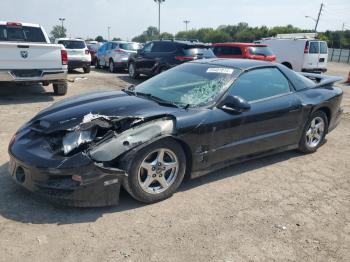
(190, 85)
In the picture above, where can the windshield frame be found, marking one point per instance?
(220, 94)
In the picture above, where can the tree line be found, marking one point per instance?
(242, 32)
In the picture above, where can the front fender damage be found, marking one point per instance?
(129, 139)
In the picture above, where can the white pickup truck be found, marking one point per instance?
(27, 56)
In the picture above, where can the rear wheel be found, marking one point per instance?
(314, 132)
(87, 69)
(60, 89)
(132, 71)
(156, 171)
(111, 66)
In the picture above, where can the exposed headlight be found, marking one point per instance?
(73, 140)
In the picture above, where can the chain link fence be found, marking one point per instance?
(339, 55)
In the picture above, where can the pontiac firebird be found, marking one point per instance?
(191, 120)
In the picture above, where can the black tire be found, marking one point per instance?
(303, 145)
(133, 72)
(286, 64)
(60, 89)
(111, 66)
(132, 162)
(87, 69)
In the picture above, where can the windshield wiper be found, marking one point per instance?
(129, 92)
(156, 99)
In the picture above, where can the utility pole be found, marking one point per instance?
(109, 28)
(186, 22)
(62, 28)
(159, 2)
(318, 17)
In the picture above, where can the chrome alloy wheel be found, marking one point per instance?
(315, 132)
(158, 171)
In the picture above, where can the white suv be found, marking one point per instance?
(78, 53)
(115, 54)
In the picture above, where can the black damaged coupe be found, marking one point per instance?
(193, 119)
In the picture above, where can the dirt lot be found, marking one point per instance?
(287, 207)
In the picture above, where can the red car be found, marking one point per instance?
(243, 50)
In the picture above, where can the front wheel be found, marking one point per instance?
(156, 171)
(314, 132)
(132, 71)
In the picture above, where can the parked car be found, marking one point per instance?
(78, 53)
(300, 52)
(93, 47)
(158, 56)
(115, 54)
(244, 51)
(27, 56)
(194, 118)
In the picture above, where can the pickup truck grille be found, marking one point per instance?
(27, 73)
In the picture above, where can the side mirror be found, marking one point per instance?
(234, 104)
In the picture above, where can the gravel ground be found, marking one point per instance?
(287, 207)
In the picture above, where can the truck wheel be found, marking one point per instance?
(60, 89)
(287, 65)
(87, 69)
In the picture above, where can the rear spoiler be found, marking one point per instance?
(322, 80)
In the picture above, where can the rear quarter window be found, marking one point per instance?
(260, 50)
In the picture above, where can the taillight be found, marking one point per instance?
(306, 49)
(87, 52)
(184, 58)
(64, 57)
(14, 24)
(119, 51)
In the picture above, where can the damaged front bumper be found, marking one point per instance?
(76, 181)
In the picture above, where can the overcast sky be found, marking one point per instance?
(128, 18)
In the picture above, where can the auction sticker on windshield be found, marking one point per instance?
(219, 70)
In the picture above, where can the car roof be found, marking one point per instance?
(122, 42)
(242, 64)
(182, 42)
(239, 44)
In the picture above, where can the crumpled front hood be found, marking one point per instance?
(70, 112)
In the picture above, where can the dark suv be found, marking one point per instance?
(158, 56)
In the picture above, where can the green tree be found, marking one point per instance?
(99, 39)
(116, 39)
(58, 32)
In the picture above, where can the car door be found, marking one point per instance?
(143, 57)
(312, 58)
(272, 122)
(107, 54)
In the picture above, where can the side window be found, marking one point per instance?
(114, 45)
(109, 46)
(148, 47)
(227, 50)
(259, 84)
(163, 47)
(314, 47)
